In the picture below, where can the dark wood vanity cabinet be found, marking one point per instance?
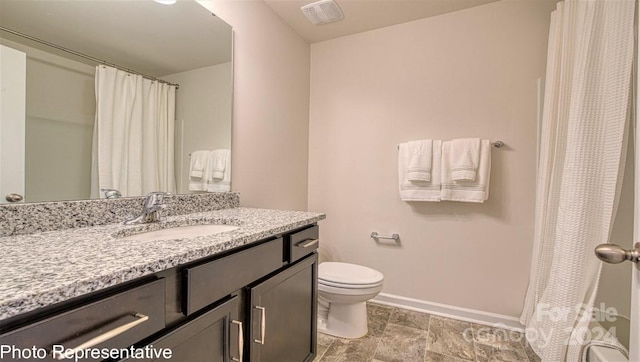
(272, 313)
(255, 303)
(283, 315)
(275, 283)
(209, 336)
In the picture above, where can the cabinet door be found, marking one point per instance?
(214, 336)
(283, 315)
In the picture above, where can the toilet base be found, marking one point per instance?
(345, 320)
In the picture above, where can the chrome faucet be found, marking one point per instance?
(151, 208)
(111, 193)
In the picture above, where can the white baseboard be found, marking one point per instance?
(449, 311)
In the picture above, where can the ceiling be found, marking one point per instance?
(364, 15)
(131, 33)
(142, 35)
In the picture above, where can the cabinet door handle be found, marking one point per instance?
(240, 341)
(307, 243)
(263, 317)
(103, 337)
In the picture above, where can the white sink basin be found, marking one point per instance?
(182, 232)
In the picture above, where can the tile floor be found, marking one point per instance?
(402, 335)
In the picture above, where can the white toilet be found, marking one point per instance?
(343, 290)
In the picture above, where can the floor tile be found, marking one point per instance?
(533, 357)
(320, 351)
(351, 350)
(399, 335)
(378, 316)
(495, 336)
(453, 324)
(324, 342)
(498, 344)
(410, 318)
(400, 343)
(503, 353)
(451, 338)
(437, 357)
(325, 339)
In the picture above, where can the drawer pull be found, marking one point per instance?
(104, 337)
(240, 342)
(307, 243)
(263, 317)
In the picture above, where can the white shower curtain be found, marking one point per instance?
(587, 93)
(133, 138)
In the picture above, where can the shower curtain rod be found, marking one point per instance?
(82, 55)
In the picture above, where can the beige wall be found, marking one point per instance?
(471, 73)
(203, 114)
(271, 106)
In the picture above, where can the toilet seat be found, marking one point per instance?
(348, 286)
(345, 275)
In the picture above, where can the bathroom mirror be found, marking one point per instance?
(181, 43)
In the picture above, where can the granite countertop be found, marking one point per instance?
(45, 268)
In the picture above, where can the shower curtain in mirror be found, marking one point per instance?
(586, 108)
(133, 137)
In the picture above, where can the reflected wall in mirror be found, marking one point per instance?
(182, 43)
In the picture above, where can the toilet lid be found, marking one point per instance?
(348, 274)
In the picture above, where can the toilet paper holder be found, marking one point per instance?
(393, 236)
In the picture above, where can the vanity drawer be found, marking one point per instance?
(140, 309)
(302, 243)
(210, 282)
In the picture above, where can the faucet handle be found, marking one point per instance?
(155, 198)
(111, 193)
(152, 206)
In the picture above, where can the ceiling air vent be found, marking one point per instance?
(322, 12)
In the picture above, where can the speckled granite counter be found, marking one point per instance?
(45, 268)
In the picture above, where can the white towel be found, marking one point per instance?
(199, 161)
(419, 190)
(218, 164)
(464, 158)
(199, 170)
(466, 191)
(220, 158)
(421, 159)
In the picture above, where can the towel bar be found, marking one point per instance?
(496, 144)
(394, 236)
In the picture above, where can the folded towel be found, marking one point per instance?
(221, 159)
(199, 170)
(464, 158)
(420, 164)
(419, 190)
(199, 161)
(466, 191)
(218, 164)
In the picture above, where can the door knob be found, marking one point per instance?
(12, 197)
(614, 254)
